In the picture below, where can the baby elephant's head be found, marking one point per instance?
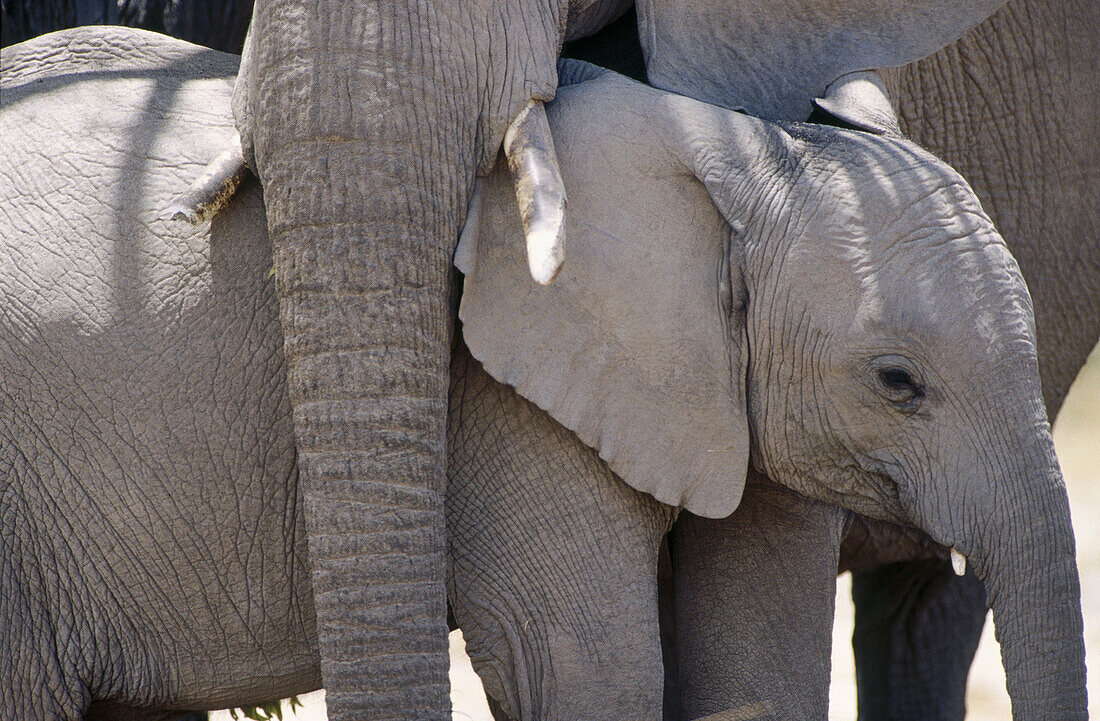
(830, 304)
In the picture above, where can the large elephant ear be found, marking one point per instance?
(771, 57)
(639, 345)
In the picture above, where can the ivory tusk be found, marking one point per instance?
(540, 191)
(958, 562)
(213, 189)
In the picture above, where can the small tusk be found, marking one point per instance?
(212, 190)
(540, 191)
(958, 562)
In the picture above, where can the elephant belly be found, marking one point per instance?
(152, 459)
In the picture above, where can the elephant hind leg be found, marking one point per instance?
(111, 712)
(553, 562)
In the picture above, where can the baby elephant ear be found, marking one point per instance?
(859, 100)
(639, 344)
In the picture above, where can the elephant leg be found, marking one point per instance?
(496, 709)
(754, 598)
(552, 573)
(917, 629)
(917, 624)
(666, 610)
(112, 712)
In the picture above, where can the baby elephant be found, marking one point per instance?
(831, 304)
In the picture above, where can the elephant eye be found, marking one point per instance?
(897, 378)
(900, 387)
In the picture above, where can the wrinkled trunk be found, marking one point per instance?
(1020, 543)
(1031, 579)
(964, 105)
(362, 139)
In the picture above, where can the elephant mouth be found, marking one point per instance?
(864, 488)
(869, 544)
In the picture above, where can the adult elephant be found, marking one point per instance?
(367, 125)
(146, 407)
(1013, 106)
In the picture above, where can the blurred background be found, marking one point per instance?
(1077, 438)
(219, 24)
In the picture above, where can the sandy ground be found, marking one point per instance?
(1077, 437)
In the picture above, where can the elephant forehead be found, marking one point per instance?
(959, 298)
(885, 174)
(921, 265)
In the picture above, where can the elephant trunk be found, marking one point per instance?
(1024, 553)
(361, 140)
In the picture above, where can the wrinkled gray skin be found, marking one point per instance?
(166, 330)
(146, 411)
(367, 124)
(888, 265)
(964, 104)
(1034, 164)
(968, 105)
(153, 549)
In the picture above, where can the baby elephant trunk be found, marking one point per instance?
(1021, 545)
